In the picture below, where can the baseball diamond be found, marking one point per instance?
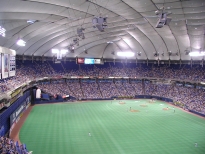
(113, 129)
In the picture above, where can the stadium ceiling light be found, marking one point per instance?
(21, 42)
(2, 31)
(55, 51)
(196, 54)
(31, 21)
(64, 51)
(125, 54)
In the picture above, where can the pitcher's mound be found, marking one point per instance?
(143, 105)
(122, 103)
(165, 109)
(134, 110)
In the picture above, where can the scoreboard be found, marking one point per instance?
(89, 61)
(7, 62)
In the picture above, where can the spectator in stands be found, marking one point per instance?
(7, 146)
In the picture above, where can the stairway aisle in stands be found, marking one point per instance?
(143, 87)
(72, 93)
(82, 90)
(99, 89)
(117, 91)
(121, 89)
(130, 89)
(63, 68)
(52, 69)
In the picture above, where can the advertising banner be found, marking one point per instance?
(15, 115)
(7, 62)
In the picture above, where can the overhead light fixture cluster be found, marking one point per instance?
(163, 17)
(100, 23)
(80, 33)
(76, 41)
(187, 52)
(71, 48)
(2, 31)
(173, 54)
(156, 54)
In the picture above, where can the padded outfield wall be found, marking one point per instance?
(11, 110)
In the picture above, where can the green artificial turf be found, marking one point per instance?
(64, 128)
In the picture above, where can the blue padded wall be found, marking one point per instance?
(5, 115)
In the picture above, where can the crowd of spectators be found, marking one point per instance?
(187, 97)
(62, 89)
(75, 87)
(52, 89)
(91, 90)
(121, 89)
(8, 146)
(192, 98)
(29, 71)
(105, 89)
(180, 73)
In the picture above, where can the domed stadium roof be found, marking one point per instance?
(48, 24)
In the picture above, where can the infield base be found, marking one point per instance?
(143, 105)
(134, 110)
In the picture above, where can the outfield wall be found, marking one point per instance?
(197, 113)
(18, 113)
(5, 115)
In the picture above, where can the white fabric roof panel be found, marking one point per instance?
(131, 26)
